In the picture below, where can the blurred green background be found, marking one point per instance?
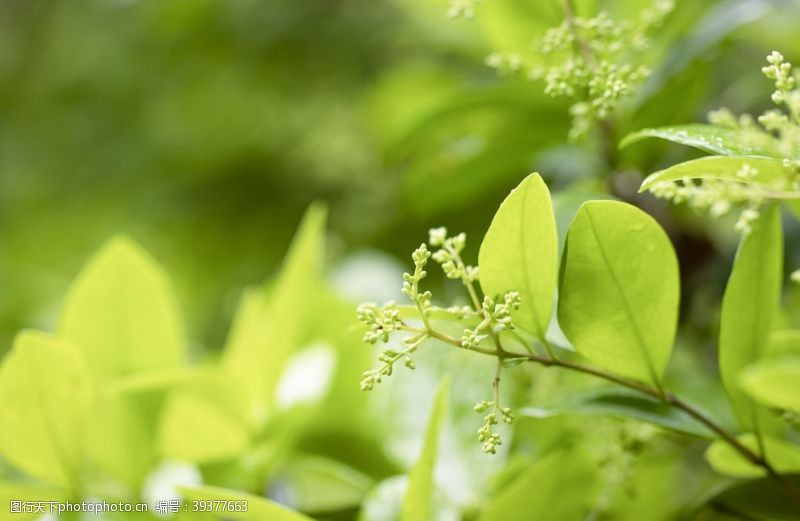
(204, 129)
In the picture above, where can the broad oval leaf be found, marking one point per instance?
(781, 454)
(257, 508)
(44, 400)
(774, 382)
(709, 138)
(418, 501)
(749, 306)
(618, 299)
(754, 499)
(320, 484)
(121, 311)
(520, 253)
(784, 342)
(562, 485)
(718, 167)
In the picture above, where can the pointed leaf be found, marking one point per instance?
(319, 484)
(520, 253)
(709, 138)
(121, 311)
(44, 399)
(269, 326)
(774, 382)
(718, 167)
(755, 499)
(618, 300)
(782, 455)
(418, 502)
(562, 485)
(749, 307)
(784, 342)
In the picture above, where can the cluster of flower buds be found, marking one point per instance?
(781, 72)
(494, 316)
(491, 440)
(422, 299)
(717, 196)
(449, 255)
(389, 357)
(588, 65)
(380, 321)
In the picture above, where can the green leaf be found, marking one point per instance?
(618, 300)
(520, 253)
(784, 342)
(782, 455)
(418, 502)
(121, 311)
(709, 138)
(44, 399)
(258, 508)
(757, 499)
(774, 382)
(156, 380)
(562, 485)
(622, 403)
(269, 326)
(203, 421)
(718, 167)
(121, 440)
(749, 307)
(319, 484)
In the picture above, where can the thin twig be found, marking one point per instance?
(666, 397)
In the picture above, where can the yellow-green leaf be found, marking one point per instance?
(203, 420)
(709, 138)
(618, 301)
(774, 382)
(45, 395)
(749, 306)
(120, 440)
(122, 313)
(418, 501)
(718, 167)
(782, 455)
(270, 325)
(520, 253)
(562, 485)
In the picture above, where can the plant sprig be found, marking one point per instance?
(495, 318)
(772, 140)
(594, 61)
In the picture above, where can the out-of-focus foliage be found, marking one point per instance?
(177, 146)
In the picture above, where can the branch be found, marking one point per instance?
(607, 131)
(665, 397)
